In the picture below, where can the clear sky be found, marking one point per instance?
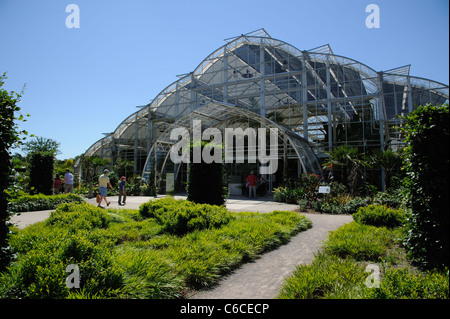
(82, 82)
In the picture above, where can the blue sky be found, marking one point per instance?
(83, 82)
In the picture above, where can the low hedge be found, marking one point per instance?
(28, 203)
(380, 215)
(179, 217)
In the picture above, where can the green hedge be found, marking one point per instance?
(28, 203)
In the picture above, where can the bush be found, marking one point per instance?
(360, 242)
(279, 194)
(427, 167)
(79, 216)
(41, 173)
(380, 215)
(327, 277)
(28, 203)
(353, 204)
(180, 217)
(206, 184)
(40, 272)
(402, 283)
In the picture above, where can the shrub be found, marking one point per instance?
(279, 194)
(327, 277)
(180, 217)
(402, 283)
(28, 203)
(360, 242)
(353, 204)
(79, 216)
(40, 272)
(393, 198)
(427, 167)
(380, 215)
(206, 184)
(41, 172)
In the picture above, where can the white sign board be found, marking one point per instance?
(324, 189)
(170, 181)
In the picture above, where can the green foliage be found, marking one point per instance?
(327, 277)
(427, 166)
(128, 254)
(41, 173)
(360, 242)
(206, 184)
(380, 215)
(402, 283)
(339, 271)
(10, 135)
(41, 145)
(39, 272)
(74, 217)
(180, 217)
(348, 165)
(28, 203)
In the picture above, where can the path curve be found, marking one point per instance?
(262, 278)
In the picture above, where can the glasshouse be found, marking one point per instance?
(314, 99)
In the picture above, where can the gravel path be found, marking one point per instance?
(263, 278)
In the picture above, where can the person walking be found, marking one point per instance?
(57, 184)
(68, 182)
(251, 179)
(122, 191)
(103, 183)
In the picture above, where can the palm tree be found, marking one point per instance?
(389, 160)
(350, 164)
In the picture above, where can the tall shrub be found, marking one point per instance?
(41, 173)
(205, 184)
(9, 136)
(427, 167)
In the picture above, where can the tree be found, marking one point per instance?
(10, 136)
(389, 160)
(41, 145)
(350, 164)
(427, 178)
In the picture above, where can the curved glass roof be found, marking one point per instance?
(314, 94)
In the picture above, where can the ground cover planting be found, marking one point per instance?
(345, 267)
(162, 250)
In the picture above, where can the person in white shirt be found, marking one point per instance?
(103, 182)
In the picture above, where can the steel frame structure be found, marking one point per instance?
(315, 95)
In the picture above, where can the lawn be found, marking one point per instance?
(162, 250)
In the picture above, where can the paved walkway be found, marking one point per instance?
(263, 278)
(263, 205)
